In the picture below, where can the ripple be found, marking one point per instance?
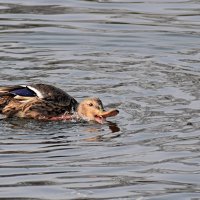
(141, 57)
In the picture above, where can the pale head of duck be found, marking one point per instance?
(91, 109)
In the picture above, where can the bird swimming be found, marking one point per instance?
(47, 102)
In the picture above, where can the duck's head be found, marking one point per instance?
(91, 109)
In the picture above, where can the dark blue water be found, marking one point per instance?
(141, 57)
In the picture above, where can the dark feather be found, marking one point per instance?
(26, 92)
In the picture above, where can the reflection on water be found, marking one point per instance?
(141, 57)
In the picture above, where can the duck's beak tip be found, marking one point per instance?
(110, 113)
(117, 112)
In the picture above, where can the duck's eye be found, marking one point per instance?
(90, 104)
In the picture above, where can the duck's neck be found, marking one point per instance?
(74, 104)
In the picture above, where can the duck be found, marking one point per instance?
(48, 102)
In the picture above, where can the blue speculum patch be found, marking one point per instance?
(24, 92)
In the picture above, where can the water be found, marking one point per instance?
(141, 57)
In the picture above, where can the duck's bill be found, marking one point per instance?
(101, 118)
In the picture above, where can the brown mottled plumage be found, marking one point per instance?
(42, 101)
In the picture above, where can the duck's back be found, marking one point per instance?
(40, 97)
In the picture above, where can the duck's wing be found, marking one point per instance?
(53, 94)
(42, 91)
(15, 90)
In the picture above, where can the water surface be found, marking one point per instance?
(139, 56)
